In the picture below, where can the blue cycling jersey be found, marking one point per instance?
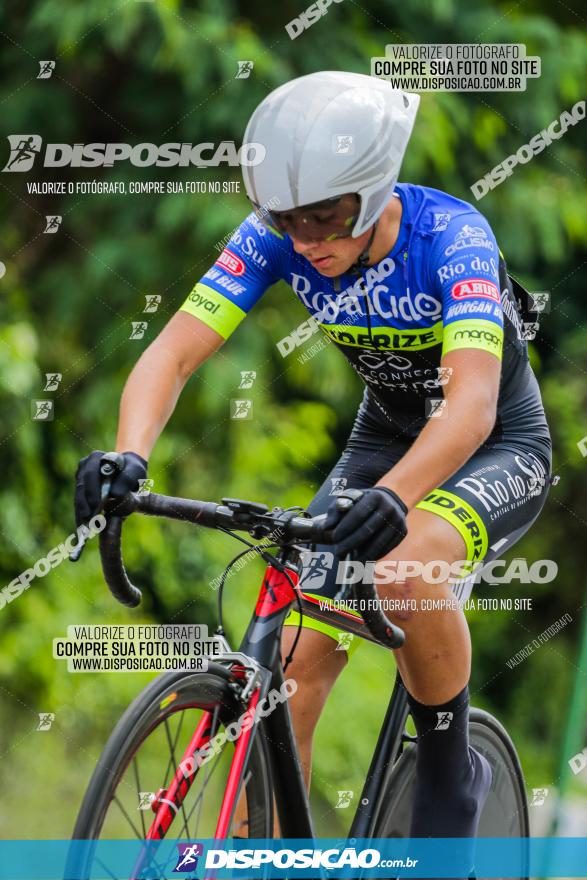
(443, 286)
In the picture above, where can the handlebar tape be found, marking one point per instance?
(114, 571)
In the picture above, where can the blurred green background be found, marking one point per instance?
(166, 71)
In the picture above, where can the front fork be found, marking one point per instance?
(257, 663)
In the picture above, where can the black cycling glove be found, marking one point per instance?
(88, 483)
(374, 525)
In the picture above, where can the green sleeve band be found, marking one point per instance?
(214, 309)
(473, 333)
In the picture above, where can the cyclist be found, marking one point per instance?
(449, 458)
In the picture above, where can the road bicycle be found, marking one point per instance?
(155, 746)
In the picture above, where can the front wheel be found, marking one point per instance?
(167, 721)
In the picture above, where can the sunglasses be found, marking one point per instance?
(327, 220)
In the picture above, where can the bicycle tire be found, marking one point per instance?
(505, 813)
(147, 713)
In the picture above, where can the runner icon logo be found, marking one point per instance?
(344, 800)
(23, 151)
(441, 222)
(188, 854)
(315, 568)
(444, 719)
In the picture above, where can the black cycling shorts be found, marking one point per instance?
(492, 500)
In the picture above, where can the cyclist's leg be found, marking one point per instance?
(497, 494)
(435, 661)
(452, 779)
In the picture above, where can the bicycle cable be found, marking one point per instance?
(251, 548)
(270, 560)
(289, 657)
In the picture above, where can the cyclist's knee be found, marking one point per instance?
(420, 566)
(404, 601)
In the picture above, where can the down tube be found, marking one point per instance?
(290, 790)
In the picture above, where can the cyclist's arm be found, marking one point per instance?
(213, 310)
(447, 442)
(464, 271)
(154, 386)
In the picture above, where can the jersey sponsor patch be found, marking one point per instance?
(231, 262)
(214, 309)
(473, 308)
(469, 236)
(475, 288)
(384, 338)
(463, 516)
(224, 281)
(473, 333)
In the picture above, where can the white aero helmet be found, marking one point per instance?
(327, 134)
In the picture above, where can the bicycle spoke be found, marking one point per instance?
(199, 798)
(135, 765)
(170, 761)
(175, 764)
(242, 791)
(127, 817)
(196, 810)
(106, 868)
(159, 870)
(152, 864)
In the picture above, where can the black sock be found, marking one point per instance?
(452, 778)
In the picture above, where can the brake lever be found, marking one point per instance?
(110, 464)
(378, 624)
(343, 504)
